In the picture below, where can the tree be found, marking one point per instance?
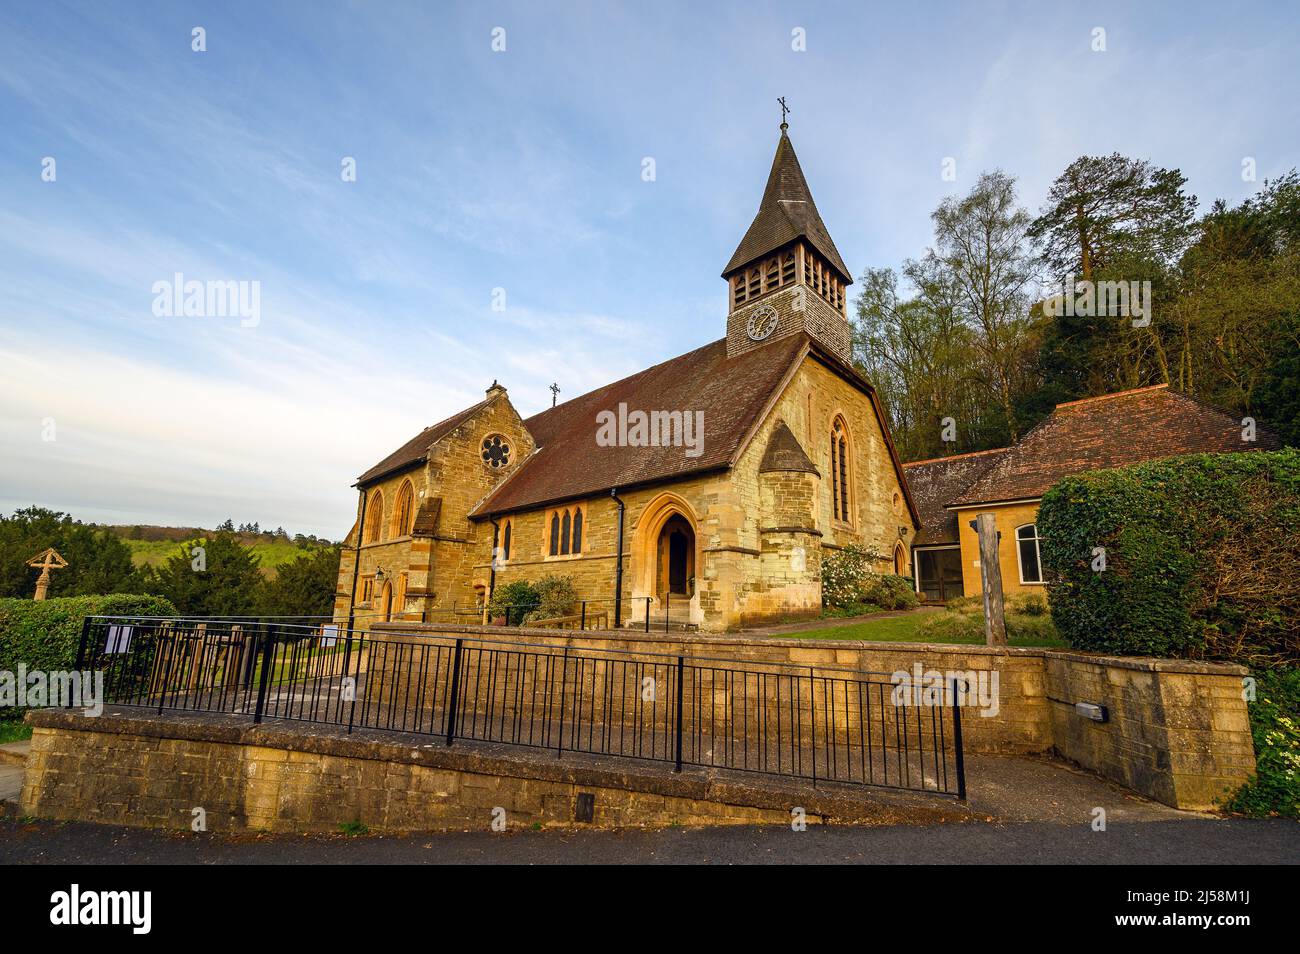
(303, 587)
(99, 562)
(214, 576)
(963, 345)
(1103, 208)
(982, 242)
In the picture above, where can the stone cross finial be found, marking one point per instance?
(45, 561)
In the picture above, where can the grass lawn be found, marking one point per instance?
(273, 553)
(906, 629)
(14, 732)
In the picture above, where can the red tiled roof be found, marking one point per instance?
(934, 483)
(1112, 430)
(416, 450)
(568, 463)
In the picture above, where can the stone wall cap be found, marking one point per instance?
(710, 642)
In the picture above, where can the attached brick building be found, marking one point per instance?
(1112, 430)
(795, 460)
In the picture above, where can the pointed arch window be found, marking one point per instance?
(374, 517)
(841, 472)
(505, 540)
(566, 527)
(403, 509)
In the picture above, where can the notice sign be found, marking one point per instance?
(119, 639)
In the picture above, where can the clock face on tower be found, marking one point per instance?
(761, 323)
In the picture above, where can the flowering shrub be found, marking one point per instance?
(849, 581)
(1275, 726)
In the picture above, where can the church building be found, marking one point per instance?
(706, 490)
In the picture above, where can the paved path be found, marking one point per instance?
(1181, 841)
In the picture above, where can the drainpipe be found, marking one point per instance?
(618, 562)
(356, 565)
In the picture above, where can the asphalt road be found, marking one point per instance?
(1177, 841)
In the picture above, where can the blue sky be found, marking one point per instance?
(518, 170)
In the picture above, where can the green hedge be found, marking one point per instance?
(1202, 557)
(46, 635)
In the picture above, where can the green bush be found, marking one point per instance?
(1275, 726)
(46, 635)
(1202, 557)
(556, 596)
(514, 601)
(891, 592)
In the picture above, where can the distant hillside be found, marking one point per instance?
(153, 546)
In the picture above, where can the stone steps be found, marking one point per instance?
(15, 753)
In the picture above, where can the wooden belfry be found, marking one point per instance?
(45, 561)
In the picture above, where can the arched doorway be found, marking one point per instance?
(386, 602)
(666, 561)
(900, 560)
(675, 563)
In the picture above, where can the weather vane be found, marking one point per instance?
(555, 390)
(784, 111)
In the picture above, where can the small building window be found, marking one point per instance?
(1031, 561)
(555, 534)
(367, 589)
(505, 541)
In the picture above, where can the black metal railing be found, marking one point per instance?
(817, 723)
(582, 614)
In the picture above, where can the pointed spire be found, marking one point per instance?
(786, 213)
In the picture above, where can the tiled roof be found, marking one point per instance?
(732, 393)
(934, 483)
(787, 212)
(416, 450)
(1112, 430)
